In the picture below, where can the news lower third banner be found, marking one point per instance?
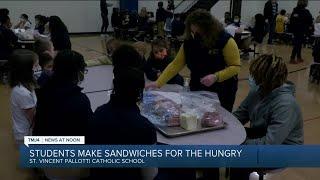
(105, 156)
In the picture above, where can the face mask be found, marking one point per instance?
(236, 20)
(37, 72)
(252, 83)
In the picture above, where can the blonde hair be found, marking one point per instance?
(141, 47)
(318, 19)
(143, 12)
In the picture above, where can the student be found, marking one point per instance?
(119, 122)
(62, 109)
(300, 24)
(270, 107)
(24, 23)
(141, 48)
(226, 18)
(8, 40)
(23, 97)
(111, 45)
(315, 67)
(178, 26)
(281, 21)
(4, 12)
(232, 28)
(158, 60)
(161, 16)
(145, 26)
(59, 34)
(104, 14)
(259, 29)
(317, 27)
(206, 40)
(61, 103)
(115, 18)
(45, 50)
(270, 13)
(40, 22)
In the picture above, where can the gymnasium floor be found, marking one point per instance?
(308, 96)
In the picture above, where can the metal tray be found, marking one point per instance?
(172, 132)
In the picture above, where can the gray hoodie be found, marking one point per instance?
(277, 116)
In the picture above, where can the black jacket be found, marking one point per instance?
(120, 123)
(104, 7)
(161, 15)
(268, 11)
(40, 28)
(300, 20)
(62, 110)
(61, 41)
(8, 42)
(177, 28)
(115, 20)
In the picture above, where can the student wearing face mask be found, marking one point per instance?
(24, 23)
(41, 21)
(23, 97)
(270, 107)
(158, 60)
(61, 95)
(62, 109)
(212, 56)
(45, 50)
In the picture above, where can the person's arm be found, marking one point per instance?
(232, 58)
(173, 68)
(30, 113)
(266, 11)
(309, 18)
(18, 26)
(283, 120)
(151, 74)
(28, 104)
(242, 113)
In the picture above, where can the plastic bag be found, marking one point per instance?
(161, 110)
(166, 108)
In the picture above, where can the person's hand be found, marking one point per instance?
(159, 74)
(151, 85)
(239, 30)
(209, 80)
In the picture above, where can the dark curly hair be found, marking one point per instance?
(269, 72)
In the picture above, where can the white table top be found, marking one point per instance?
(26, 41)
(99, 78)
(245, 32)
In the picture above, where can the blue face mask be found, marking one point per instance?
(252, 83)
